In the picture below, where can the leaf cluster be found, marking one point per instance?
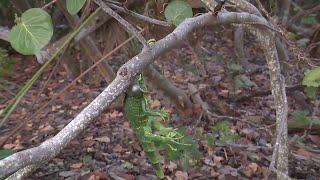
(225, 134)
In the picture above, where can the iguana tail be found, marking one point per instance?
(150, 150)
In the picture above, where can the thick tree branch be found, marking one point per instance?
(52, 147)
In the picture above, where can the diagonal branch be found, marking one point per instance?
(139, 16)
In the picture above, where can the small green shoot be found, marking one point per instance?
(310, 20)
(225, 133)
(311, 91)
(86, 158)
(235, 67)
(127, 165)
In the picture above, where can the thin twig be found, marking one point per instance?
(232, 118)
(243, 146)
(49, 4)
(304, 13)
(139, 16)
(126, 24)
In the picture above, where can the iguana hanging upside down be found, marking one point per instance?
(141, 118)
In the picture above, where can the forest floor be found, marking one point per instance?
(108, 149)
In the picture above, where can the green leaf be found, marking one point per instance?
(127, 165)
(301, 118)
(292, 36)
(5, 153)
(32, 32)
(316, 120)
(310, 20)
(177, 11)
(74, 6)
(297, 139)
(235, 67)
(311, 91)
(312, 78)
(86, 158)
(243, 81)
(303, 42)
(211, 139)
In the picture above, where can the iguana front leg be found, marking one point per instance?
(167, 135)
(172, 138)
(157, 126)
(151, 112)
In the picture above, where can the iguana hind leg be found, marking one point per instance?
(153, 157)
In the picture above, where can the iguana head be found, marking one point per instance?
(139, 87)
(140, 81)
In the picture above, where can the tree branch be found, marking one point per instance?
(139, 16)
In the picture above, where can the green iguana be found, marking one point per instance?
(140, 116)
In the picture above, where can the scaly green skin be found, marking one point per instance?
(141, 120)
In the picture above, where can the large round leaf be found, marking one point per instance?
(177, 11)
(32, 32)
(74, 6)
(312, 78)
